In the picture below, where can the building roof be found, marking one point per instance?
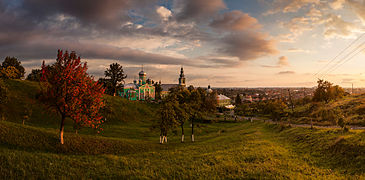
(230, 106)
(223, 97)
(167, 87)
(130, 86)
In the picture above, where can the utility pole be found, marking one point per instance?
(352, 89)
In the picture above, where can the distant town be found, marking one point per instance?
(271, 93)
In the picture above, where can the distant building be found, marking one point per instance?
(209, 90)
(142, 90)
(247, 98)
(167, 87)
(223, 100)
(182, 78)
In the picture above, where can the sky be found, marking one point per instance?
(224, 43)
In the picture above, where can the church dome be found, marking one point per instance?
(142, 73)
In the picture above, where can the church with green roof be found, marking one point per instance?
(141, 90)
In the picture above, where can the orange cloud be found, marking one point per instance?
(286, 72)
(235, 20)
(249, 45)
(283, 61)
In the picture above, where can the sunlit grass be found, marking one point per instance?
(129, 148)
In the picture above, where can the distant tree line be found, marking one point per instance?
(313, 108)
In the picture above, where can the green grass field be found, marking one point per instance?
(352, 107)
(129, 147)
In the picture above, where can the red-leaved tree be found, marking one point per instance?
(68, 89)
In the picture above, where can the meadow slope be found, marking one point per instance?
(352, 107)
(235, 150)
(128, 147)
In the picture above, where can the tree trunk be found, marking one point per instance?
(62, 128)
(76, 131)
(182, 132)
(164, 137)
(23, 122)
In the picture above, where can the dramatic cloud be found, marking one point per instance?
(203, 35)
(235, 20)
(314, 13)
(286, 72)
(298, 50)
(335, 26)
(196, 9)
(48, 50)
(243, 38)
(126, 30)
(163, 12)
(337, 4)
(88, 12)
(359, 8)
(283, 61)
(218, 61)
(298, 25)
(269, 66)
(287, 6)
(248, 45)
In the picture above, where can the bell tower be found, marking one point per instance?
(142, 77)
(182, 78)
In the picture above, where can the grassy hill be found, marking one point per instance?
(122, 114)
(129, 148)
(351, 107)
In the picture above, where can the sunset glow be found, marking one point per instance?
(225, 43)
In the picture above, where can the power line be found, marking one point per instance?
(353, 42)
(343, 60)
(348, 59)
(363, 49)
